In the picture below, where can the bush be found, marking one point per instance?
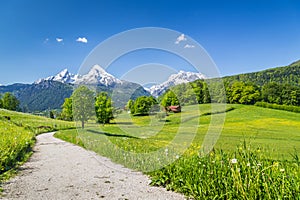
(278, 107)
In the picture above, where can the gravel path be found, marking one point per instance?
(60, 170)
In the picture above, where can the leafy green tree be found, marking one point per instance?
(10, 102)
(130, 105)
(154, 106)
(142, 106)
(234, 93)
(67, 110)
(243, 93)
(250, 95)
(103, 108)
(169, 99)
(83, 104)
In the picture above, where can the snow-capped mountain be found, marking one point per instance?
(175, 79)
(64, 77)
(96, 75)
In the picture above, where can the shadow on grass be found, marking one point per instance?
(122, 123)
(209, 113)
(112, 135)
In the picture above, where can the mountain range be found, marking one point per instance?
(97, 75)
(175, 79)
(50, 92)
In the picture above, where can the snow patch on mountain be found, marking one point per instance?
(64, 77)
(175, 79)
(96, 75)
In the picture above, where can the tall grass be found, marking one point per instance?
(240, 174)
(15, 144)
(17, 137)
(243, 173)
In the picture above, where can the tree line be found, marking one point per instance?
(87, 104)
(236, 92)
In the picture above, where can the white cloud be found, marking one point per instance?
(83, 40)
(189, 46)
(180, 39)
(59, 39)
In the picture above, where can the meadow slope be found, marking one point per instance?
(256, 155)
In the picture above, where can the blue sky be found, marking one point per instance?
(240, 36)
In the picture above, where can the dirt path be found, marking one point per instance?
(60, 170)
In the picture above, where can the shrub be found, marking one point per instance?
(278, 107)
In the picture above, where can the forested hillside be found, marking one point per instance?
(279, 85)
(40, 97)
(284, 75)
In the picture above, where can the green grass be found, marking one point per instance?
(35, 124)
(239, 174)
(267, 167)
(17, 137)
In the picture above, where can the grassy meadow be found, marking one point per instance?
(255, 156)
(17, 137)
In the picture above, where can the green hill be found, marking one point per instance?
(283, 75)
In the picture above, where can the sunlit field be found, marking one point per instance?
(256, 155)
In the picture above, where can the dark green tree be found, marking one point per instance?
(1, 102)
(51, 114)
(198, 90)
(103, 108)
(83, 104)
(271, 93)
(206, 94)
(10, 102)
(67, 110)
